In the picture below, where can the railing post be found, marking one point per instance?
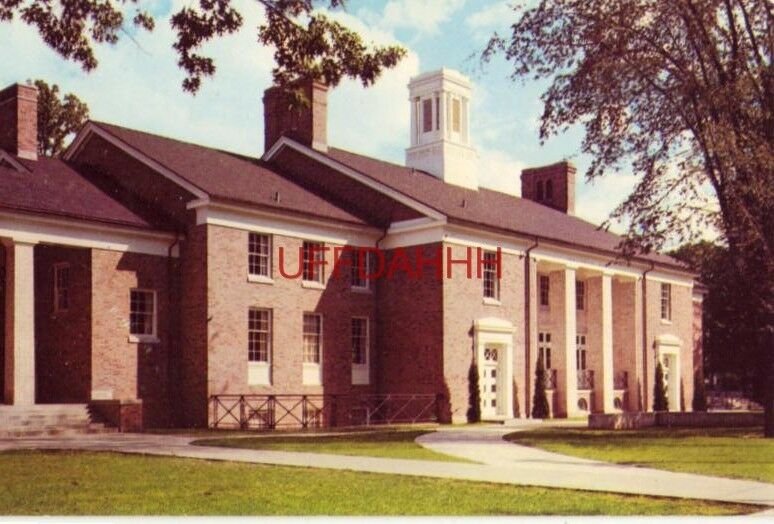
(242, 415)
(304, 412)
(214, 400)
(271, 406)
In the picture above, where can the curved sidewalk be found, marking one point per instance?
(537, 467)
(501, 462)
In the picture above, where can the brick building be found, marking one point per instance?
(147, 272)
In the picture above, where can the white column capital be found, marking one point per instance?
(18, 241)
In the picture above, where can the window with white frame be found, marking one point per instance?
(491, 280)
(61, 287)
(580, 352)
(142, 312)
(314, 255)
(544, 290)
(361, 267)
(456, 115)
(259, 335)
(427, 115)
(580, 295)
(666, 301)
(259, 255)
(312, 338)
(544, 348)
(360, 341)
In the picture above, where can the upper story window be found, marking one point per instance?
(142, 312)
(544, 349)
(456, 115)
(580, 352)
(666, 301)
(313, 262)
(259, 255)
(312, 338)
(427, 115)
(259, 335)
(544, 290)
(61, 287)
(361, 268)
(491, 282)
(360, 341)
(580, 295)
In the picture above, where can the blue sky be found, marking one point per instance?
(137, 84)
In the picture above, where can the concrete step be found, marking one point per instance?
(48, 420)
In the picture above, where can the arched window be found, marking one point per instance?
(549, 190)
(539, 192)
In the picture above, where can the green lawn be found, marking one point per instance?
(389, 444)
(724, 452)
(71, 483)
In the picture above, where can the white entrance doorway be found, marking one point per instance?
(489, 381)
(668, 353)
(494, 358)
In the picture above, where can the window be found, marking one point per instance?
(61, 287)
(539, 191)
(580, 352)
(259, 255)
(456, 115)
(427, 115)
(491, 282)
(544, 290)
(142, 312)
(580, 295)
(360, 341)
(544, 349)
(312, 338)
(361, 267)
(666, 301)
(549, 189)
(259, 335)
(313, 262)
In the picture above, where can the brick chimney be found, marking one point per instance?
(307, 124)
(552, 186)
(19, 121)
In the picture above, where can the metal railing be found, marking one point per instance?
(269, 412)
(585, 379)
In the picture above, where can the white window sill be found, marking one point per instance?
(308, 284)
(363, 290)
(666, 322)
(144, 339)
(312, 374)
(258, 374)
(360, 376)
(260, 279)
(489, 301)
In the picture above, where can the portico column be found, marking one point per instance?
(19, 323)
(607, 344)
(569, 344)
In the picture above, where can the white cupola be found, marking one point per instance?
(440, 127)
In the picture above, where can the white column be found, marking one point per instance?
(607, 344)
(569, 343)
(19, 323)
(414, 123)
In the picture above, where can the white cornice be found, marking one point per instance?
(93, 129)
(30, 228)
(355, 175)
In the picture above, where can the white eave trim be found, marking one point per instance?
(353, 174)
(36, 229)
(92, 128)
(18, 166)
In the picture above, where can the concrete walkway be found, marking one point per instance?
(501, 462)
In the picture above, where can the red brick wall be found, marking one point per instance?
(230, 295)
(562, 176)
(306, 124)
(62, 338)
(130, 370)
(2, 317)
(698, 341)
(463, 303)
(19, 120)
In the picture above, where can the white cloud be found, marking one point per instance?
(496, 17)
(425, 16)
(499, 171)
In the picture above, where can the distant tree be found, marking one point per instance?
(699, 402)
(307, 44)
(539, 399)
(58, 118)
(660, 401)
(474, 395)
(683, 91)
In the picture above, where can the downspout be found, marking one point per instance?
(378, 380)
(528, 327)
(645, 337)
(172, 284)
